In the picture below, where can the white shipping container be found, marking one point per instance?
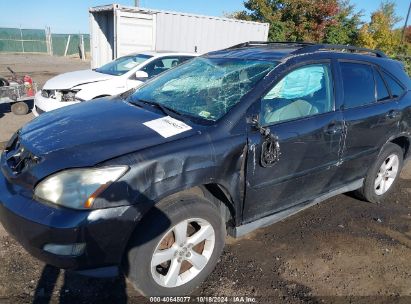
(119, 30)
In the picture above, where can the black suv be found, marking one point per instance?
(151, 181)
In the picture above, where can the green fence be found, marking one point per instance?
(22, 40)
(15, 40)
(59, 42)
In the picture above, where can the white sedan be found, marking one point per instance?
(111, 79)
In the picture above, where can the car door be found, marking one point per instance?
(371, 114)
(298, 160)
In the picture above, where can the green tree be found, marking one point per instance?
(344, 30)
(407, 34)
(292, 20)
(380, 33)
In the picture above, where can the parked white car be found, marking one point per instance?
(111, 79)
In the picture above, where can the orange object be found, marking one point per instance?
(90, 200)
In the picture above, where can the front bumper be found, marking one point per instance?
(42, 104)
(33, 224)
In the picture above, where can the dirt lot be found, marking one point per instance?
(340, 251)
(41, 68)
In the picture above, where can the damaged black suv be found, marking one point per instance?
(151, 181)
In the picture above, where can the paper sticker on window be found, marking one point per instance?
(167, 126)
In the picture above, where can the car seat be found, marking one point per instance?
(296, 109)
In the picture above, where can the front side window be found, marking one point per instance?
(358, 84)
(395, 87)
(206, 88)
(122, 65)
(303, 92)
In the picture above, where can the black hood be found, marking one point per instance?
(92, 132)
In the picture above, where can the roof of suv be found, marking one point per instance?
(281, 50)
(255, 50)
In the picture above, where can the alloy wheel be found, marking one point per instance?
(183, 252)
(386, 174)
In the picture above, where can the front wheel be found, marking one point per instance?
(175, 247)
(383, 175)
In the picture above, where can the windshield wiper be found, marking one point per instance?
(127, 93)
(171, 112)
(166, 110)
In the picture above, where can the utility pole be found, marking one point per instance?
(137, 3)
(405, 25)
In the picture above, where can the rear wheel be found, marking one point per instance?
(383, 176)
(19, 108)
(176, 247)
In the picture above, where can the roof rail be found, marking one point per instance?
(271, 44)
(339, 47)
(308, 47)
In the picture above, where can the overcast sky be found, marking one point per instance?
(72, 16)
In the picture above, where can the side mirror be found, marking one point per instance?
(254, 121)
(141, 75)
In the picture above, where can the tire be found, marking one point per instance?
(19, 108)
(378, 183)
(156, 233)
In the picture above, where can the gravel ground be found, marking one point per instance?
(343, 250)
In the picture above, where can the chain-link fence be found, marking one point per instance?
(16, 40)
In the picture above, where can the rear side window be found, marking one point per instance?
(395, 87)
(358, 84)
(382, 91)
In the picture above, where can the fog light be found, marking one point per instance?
(69, 249)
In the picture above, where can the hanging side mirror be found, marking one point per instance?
(270, 147)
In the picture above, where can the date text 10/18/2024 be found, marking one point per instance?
(188, 299)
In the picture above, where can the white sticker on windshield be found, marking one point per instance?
(167, 126)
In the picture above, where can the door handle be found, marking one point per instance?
(333, 129)
(393, 114)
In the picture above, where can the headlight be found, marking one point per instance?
(69, 95)
(45, 93)
(77, 188)
(61, 95)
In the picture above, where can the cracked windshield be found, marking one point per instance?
(204, 87)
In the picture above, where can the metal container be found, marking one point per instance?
(119, 30)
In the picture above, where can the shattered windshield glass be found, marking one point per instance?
(204, 87)
(122, 65)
